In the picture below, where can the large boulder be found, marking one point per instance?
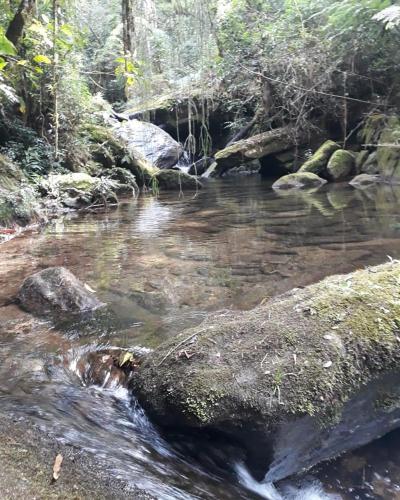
(381, 135)
(255, 147)
(172, 180)
(319, 160)
(341, 165)
(79, 189)
(299, 180)
(56, 290)
(150, 142)
(298, 380)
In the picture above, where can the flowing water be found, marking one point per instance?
(163, 264)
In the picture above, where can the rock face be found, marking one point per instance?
(319, 160)
(18, 201)
(56, 290)
(298, 380)
(77, 190)
(170, 180)
(381, 135)
(340, 165)
(253, 148)
(388, 153)
(299, 180)
(150, 142)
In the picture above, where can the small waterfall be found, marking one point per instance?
(307, 491)
(184, 163)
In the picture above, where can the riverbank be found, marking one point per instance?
(27, 457)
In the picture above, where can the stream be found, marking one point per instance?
(163, 264)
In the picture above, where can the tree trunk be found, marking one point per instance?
(17, 25)
(128, 28)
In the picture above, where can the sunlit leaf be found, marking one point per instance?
(42, 59)
(6, 47)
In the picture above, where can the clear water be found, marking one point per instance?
(163, 264)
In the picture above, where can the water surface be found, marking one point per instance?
(163, 264)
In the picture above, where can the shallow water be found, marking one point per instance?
(163, 264)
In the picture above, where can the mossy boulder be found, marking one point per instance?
(370, 165)
(341, 165)
(300, 377)
(372, 130)
(110, 150)
(388, 152)
(175, 180)
(125, 179)
(361, 158)
(256, 147)
(319, 160)
(18, 201)
(78, 189)
(300, 180)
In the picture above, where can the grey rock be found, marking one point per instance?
(56, 290)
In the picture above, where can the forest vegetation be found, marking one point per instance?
(226, 69)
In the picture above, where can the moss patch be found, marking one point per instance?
(340, 165)
(304, 353)
(319, 160)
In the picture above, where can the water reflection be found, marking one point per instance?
(162, 264)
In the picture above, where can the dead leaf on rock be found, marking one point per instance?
(57, 467)
(90, 289)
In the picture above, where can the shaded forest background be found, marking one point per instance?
(315, 65)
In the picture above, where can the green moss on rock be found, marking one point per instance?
(175, 180)
(340, 165)
(299, 180)
(388, 153)
(319, 160)
(255, 147)
(307, 352)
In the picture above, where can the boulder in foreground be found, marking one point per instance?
(301, 379)
(299, 180)
(56, 290)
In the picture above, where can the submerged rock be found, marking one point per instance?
(319, 160)
(298, 380)
(299, 181)
(340, 165)
(150, 142)
(366, 180)
(254, 148)
(56, 290)
(176, 180)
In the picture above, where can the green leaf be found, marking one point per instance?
(3, 64)
(41, 59)
(6, 47)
